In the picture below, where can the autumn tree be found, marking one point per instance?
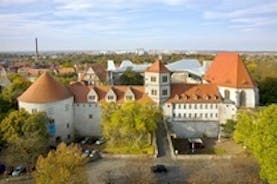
(17, 86)
(26, 135)
(257, 131)
(65, 165)
(130, 125)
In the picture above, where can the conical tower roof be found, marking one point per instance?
(228, 70)
(45, 90)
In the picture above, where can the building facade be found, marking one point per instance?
(191, 110)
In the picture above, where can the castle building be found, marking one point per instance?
(191, 110)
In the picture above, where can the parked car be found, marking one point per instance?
(94, 155)
(86, 153)
(159, 168)
(100, 141)
(85, 141)
(18, 171)
(8, 171)
(2, 168)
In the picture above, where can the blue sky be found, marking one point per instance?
(131, 24)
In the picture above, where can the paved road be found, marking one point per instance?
(162, 143)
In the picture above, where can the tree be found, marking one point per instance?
(129, 125)
(130, 77)
(258, 131)
(17, 86)
(26, 135)
(65, 165)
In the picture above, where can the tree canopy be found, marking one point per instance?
(130, 77)
(17, 86)
(258, 132)
(26, 135)
(65, 165)
(130, 124)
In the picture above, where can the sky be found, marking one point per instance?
(130, 24)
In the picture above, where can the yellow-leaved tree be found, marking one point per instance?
(65, 165)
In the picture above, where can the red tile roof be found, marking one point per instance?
(194, 93)
(81, 91)
(228, 70)
(44, 90)
(157, 66)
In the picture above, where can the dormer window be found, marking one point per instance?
(177, 97)
(92, 97)
(129, 97)
(207, 97)
(110, 97)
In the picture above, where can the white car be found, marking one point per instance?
(100, 141)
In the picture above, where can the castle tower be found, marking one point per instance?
(157, 82)
(47, 95)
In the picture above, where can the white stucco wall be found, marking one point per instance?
(83, 124)
(250, 93)
(60, 111)
(157, 85)
(192, 111)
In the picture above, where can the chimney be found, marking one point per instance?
(36, 42)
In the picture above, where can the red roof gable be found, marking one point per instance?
(157, 66)
(228, 70)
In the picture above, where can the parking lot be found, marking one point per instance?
(242, 169)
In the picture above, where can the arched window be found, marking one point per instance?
(227, 94)
(242, 99)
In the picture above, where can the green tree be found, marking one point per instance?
(129, 125)
(130, 77)
(65, 165)
(258, 131)
(17, 86)
(26, 135)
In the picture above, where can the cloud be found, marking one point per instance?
(4, 3)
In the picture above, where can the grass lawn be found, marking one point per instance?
(148, 149)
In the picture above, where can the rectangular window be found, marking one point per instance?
(110, 97)
(185, 115)
(68, 136)
(173, 106)
(184, 106)
(195, 106)
(92, 97)
(189, 115)
(211, 106)
(90, 116)
(179, 115)
(174, 115)
(179, 106)
(200, 115)
(211, 115)
(67, 125)
(206, 106)
(206, 115)
(189, 106)
(200, 106)
(154, 92)
(153, 79)
(164, 92)
(129, 98)
(164, 79)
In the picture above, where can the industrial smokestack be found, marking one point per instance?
(36, 42)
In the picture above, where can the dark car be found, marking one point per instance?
(2, 168)
(8, 171)
(159, 169)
